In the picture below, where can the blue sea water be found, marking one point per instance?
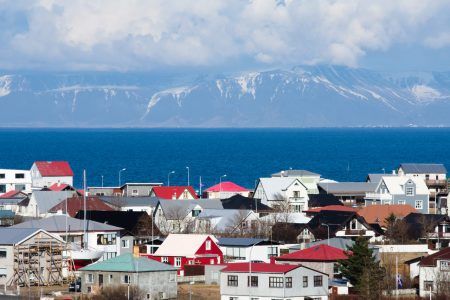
(243, 155)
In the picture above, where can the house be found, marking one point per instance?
(138, 227)
(376, 177)
(275, 191)
(138, 189)
(174, 192)
(434, 229)
(135, 203)
(400, 190)
(58, 187)
(225, 189)
(307, 178)
(17, 245)
(47, 173)
(321, 257)
(246, 249)
(99, 236)
(230, 221)
(176, 216)
(336, 242)
(241, 202)
(272, 281)
(73, 205)
(349, 193)
(377, 214)
(292, 233)
(7, 217)
(156, 280)
(321, 200)
(108, 191)
(14, 180)
(433, 274)
(40, 202)
(180, 250)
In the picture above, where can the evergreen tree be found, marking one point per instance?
(363, 270)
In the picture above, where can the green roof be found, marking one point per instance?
(128, 263)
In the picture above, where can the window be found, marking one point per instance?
(233, 298)
(296, 194)
(126, 279)
(172, 277)
(89, 278)
(134, 193)
(305, 281)
(272, 251)
(196, 212)
(317, 281)
(401, 202)
(353, 224)
(106, 239)
(288, 282)
(418, 204)
(235, 253)
(336, 268)
(110, 278)
(2, 188)
(19, 187)
(177, 262)
(208, 245)
(232, 280)
(125, 243)
(275, 282)
(428, 285)
(409, 191)
(2, 252)
(253, 281)
(165, 259)
(20, 175)
(108, 255)
(445, 265)
(2, 175)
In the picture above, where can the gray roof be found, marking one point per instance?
(424, 168)
(174, 209)
(376, 178)
(45, 200)
(10, 201)
(344, 188)
(128, 263)
(341, 243)
(57, 223)
(242, 242)
(132, 201)
(227, 217)
(295, 173)
(12, 236)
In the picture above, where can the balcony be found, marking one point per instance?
(436, 183)
(378, 196)
(355, 232)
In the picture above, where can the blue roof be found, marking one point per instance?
(424, 168)
(243, 242)
(13, 236)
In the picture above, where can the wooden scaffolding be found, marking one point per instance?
(39, 262)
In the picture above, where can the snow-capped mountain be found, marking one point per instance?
(301, 97)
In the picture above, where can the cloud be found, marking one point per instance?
(146, 35)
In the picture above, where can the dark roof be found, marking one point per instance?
(423, 168)
(240, 202)
(287, 232)
(134, 222)
(432, 259)
(244, 242)
(418, 218)
(320, 200)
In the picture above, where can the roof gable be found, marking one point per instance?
(170, 192)
(184, 245)
(315, 253)
(54, 168)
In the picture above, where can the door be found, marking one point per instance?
(100, 279)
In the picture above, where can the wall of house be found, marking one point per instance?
(147, 209)
(259, 253)
(153, 284)
(39, 181)
(138, 190)
(225, 194)
(263, 291)
(212, 274)
(10, 182)
(106, 191)
(6, 264)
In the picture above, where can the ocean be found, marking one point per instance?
(243, 155)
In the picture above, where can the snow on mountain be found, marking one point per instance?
(5, 85)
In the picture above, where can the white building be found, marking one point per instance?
(47, 173)
(246, 249)
(246, 281)
(225, 190)
(14, 180)
(273, 191)
(308, 178)
(434, 274)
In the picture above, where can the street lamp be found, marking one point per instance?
(168, 177)
(120, 182)
(102, 180)
(328, 227)
(188, 183)
(220, 185)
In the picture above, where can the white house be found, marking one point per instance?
(434, 273)
(239, 281)
(225, 190)
(308, 178)
(47, 173)
(274, 190)
(246, 249)
(225, 220)
(14, 180)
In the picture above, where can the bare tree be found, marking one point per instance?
(238, 225)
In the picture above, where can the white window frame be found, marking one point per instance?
(125, 243)
(89, 278)
(164, 259)
(208, 245)
(177, 262)
(418, 204)
(409, 191)
(402, 202)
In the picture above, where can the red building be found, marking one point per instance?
(174, 192)
(180, 250)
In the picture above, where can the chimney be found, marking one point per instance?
(393, 172)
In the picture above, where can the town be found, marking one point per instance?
(294, 235)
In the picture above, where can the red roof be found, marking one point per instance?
(56, 187)
(76, 204)
(168, 192)
(315, 253)
(331, 207)
(10, 194)
(431, 260)
(259, 268)
(54, 168)
(226, 186)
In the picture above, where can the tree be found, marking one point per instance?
(396, 230)
(363, 270)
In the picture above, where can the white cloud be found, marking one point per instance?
(141, 34)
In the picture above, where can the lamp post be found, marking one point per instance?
(102, 180)
(120, 181)
(328, 229)
(220, 185)
(168, 177)
(188, 181)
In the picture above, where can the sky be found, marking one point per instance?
(229, 35)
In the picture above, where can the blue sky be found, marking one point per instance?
(228, 35)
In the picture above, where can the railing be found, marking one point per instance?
(440, 234)
(354, 232)
(379, 196)
(434, 182)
